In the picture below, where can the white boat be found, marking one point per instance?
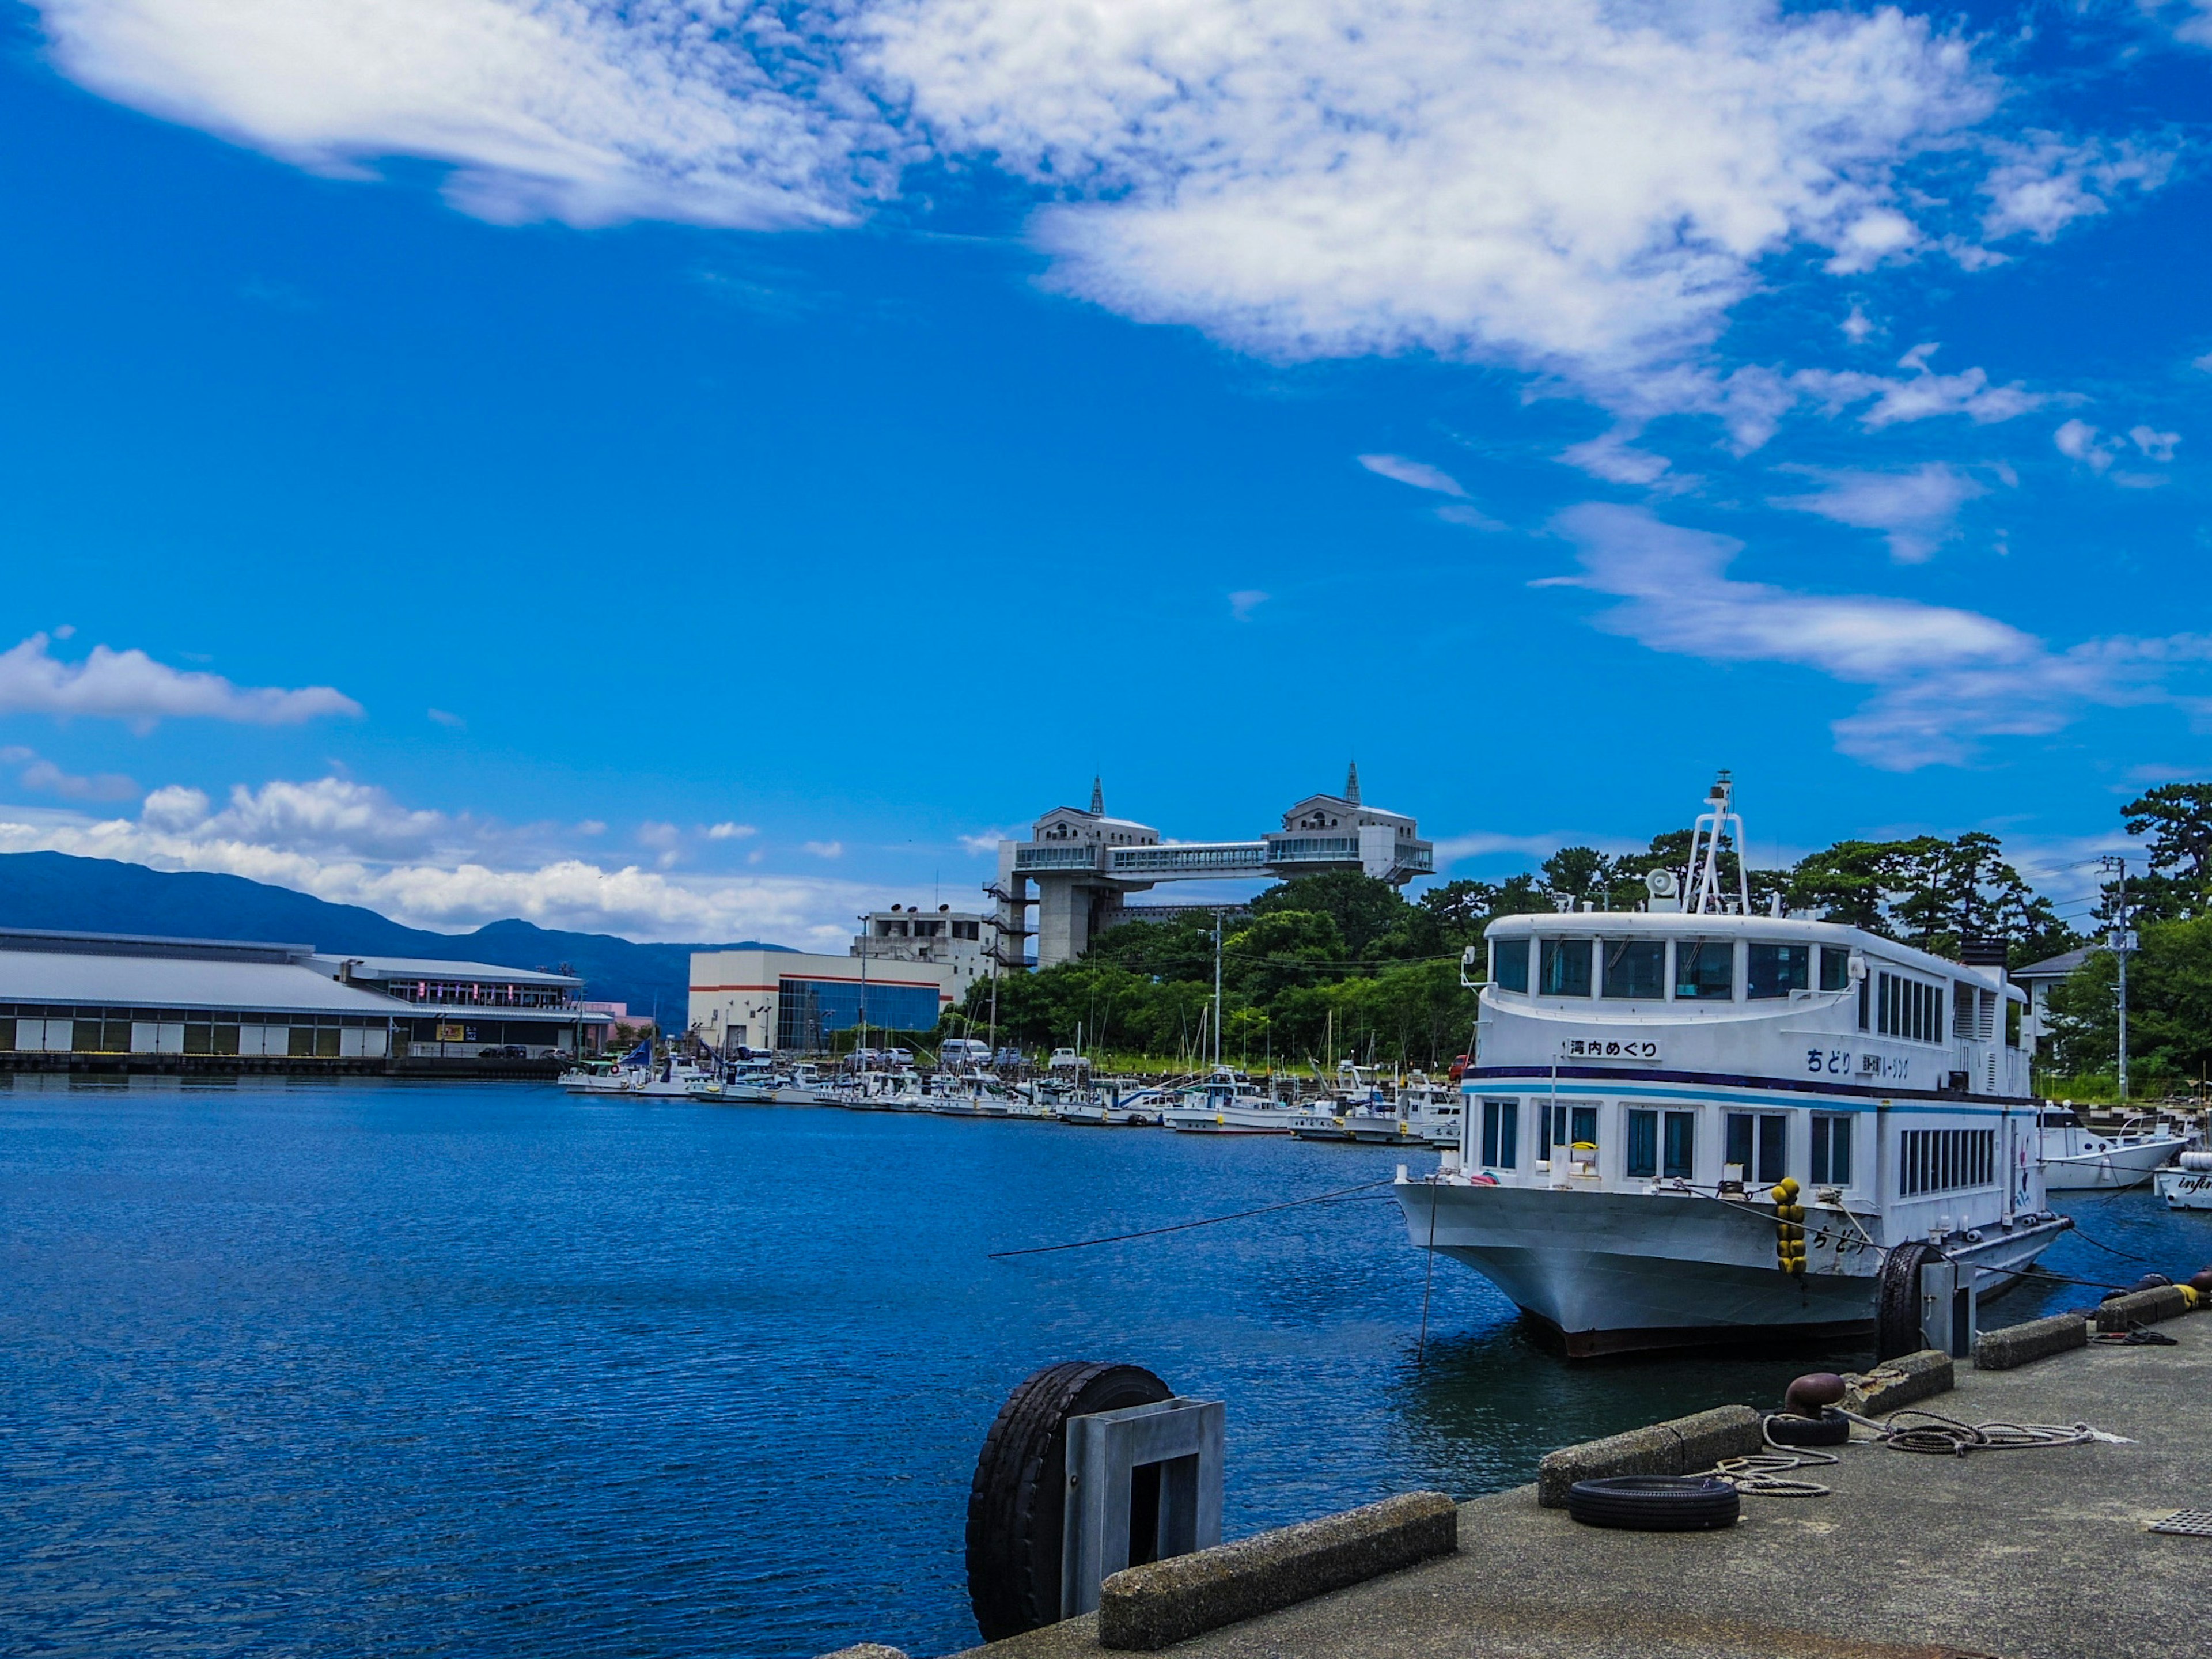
(1140, 1110)
(1433, 1109)
(1646, 1083)
(2076, 1158)
(1226, 1103)
(2188, 1186)
(1320, 1122)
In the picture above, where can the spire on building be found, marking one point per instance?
(1098, 799)
(1351, 784)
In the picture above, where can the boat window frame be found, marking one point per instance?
(1500, 1131)
(1781, 989)
(1831, 1130)
(1674, 976)
(1686, 1168)
(1552, 947)
(1525, 942)
(1606, 953)
(1640, 1162)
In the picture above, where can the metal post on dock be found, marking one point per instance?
(2122, 943)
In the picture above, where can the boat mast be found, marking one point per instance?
(1217, 988)
(1706, 833)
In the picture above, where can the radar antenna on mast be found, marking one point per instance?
(1706, 895)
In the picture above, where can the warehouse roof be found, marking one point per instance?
(429, 968)
(44, 975)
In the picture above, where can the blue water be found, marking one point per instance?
(382, 1369)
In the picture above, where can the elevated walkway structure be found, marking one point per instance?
(1084, 864)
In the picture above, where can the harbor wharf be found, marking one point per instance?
(2043, 1553)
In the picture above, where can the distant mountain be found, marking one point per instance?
(102, 896)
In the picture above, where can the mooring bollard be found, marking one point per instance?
(1144, 1484)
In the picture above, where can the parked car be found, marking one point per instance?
(504, 1051)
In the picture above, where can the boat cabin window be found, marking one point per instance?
(1832, 1150)
(1759, 1142)
(1501, 1134)
(1942, 1160)
(1705, 969)
(1776, 971)
(1635, 968)
(1835, 968)
(1565, 970)
(1661, 1143)
(1574, 1125)
(1509, 964)
(1641, 1158)
(1907, 1008)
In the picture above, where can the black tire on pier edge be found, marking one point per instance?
(1656, 1503)
(1015, 1507)
(1830, 1428)
(1897, 1300)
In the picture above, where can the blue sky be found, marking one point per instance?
(695, 470)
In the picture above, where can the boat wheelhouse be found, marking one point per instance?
(1646, 1084)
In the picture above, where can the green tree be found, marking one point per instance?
(1280, 949)
(2169, 1007)
(2178, 819)
(1363, 908)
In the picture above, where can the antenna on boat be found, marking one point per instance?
(1705, 899)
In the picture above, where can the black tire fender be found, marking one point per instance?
(1016, 1503)
(1897, 1300)
(1830, 1428)
(1656, 1503)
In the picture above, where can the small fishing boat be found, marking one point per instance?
(1320, 1122)
(2076, 1158)
(2188, 1186)
(1226, 1103)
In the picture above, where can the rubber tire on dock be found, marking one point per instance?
(1656, 1503)
(1016, 1506)
(1830, 1428)
(1897, 1300)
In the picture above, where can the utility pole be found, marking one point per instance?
(2122, 943)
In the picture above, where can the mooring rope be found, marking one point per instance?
(1185, 1226)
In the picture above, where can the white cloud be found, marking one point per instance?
(42, 775)
(1553, 183)
(2158, 445)
(1942, 678)
(453, 722)
(2079, 440)
(130, 685)
(446, 872)
(1922, 396)
(985, 842)
(1856, 327)
(2203, 362)
(2042, 184)
(825, 849)
(727, 830)
(716, 113)
(1451, 849)
(1467, 517)
(1580, 186)
(1419, 474)
(1917, 509)
(1610, 456)
(1243, 602)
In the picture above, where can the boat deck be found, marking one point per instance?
(2041, 1555)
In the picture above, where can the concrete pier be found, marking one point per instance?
(2032, 1554)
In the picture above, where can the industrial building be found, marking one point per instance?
(791, 1000)
(212, 1001)
(1086, 863)
(909, 933)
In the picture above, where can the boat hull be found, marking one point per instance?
(2185, 1189)
(2114, 1169)
(1619, 1272)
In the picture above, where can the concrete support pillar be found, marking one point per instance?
(1063, 919)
